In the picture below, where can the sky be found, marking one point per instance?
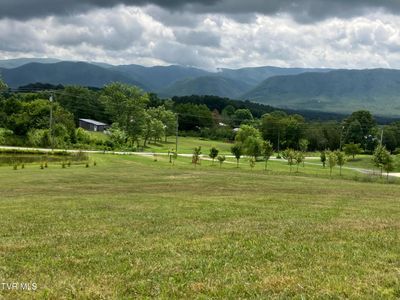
(208, 34)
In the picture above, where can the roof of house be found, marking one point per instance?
(94, 122)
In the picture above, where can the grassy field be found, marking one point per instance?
(186, 145)
(135, 228)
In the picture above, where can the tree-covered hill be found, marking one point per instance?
(377, 90)
(65, 73)
(207, 85)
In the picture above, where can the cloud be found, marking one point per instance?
(198, 38)
(141, 35)
(303, 11)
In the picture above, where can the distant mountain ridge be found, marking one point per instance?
(207, 85)
(337, 91)
(377, 90)
(65, 73)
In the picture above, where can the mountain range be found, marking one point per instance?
(328, 90)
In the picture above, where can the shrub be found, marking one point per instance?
(221, 159)
(82, 136)
(4, 135)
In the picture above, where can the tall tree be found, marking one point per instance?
(127, 107)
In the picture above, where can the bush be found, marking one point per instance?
(39, 137)
(4, 135)
(82, 136)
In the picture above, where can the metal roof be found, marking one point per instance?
(94, 122)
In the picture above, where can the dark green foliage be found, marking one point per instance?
(236, 150)
(220, 104)
(82, 103)
(213, 153)
(323, 158)
(352, 149)
(193, 117)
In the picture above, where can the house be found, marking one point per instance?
(92, 125)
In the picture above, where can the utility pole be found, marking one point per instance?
(51, 122)
(176, 133)
(382, 136)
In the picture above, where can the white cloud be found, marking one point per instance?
(151, 35)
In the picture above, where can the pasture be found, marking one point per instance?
(135, 228)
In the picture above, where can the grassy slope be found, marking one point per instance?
(132, 228)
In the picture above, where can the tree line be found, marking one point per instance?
(138, 118)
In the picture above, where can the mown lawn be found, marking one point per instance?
(134, 228)
(187, 144)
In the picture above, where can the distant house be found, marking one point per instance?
(92, 125)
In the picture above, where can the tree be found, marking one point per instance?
(382, 159)
(289, 155)
(303, 146)
(213, 154)
(221, 159)
(4, 134)
(357, 126)
(388, 163)
(332, 160)
(82, 103)
(152, 128)
(126, 106)
(118, 136)
(82, 136)
(250, 140)
(168, 119)
(242, 116)
(193, 117)
(298, 158)
(3, 86)
(323, 158)
(246, 131)
(352, 149)
(252, 162)
(39, 137)
(196, 156)
(267, 152)
(253, 146)
(341, 160)
(236, 150)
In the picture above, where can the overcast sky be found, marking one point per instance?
(205, 33)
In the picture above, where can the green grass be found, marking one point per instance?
(187, 144)
(135, 228)
(365, 161)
